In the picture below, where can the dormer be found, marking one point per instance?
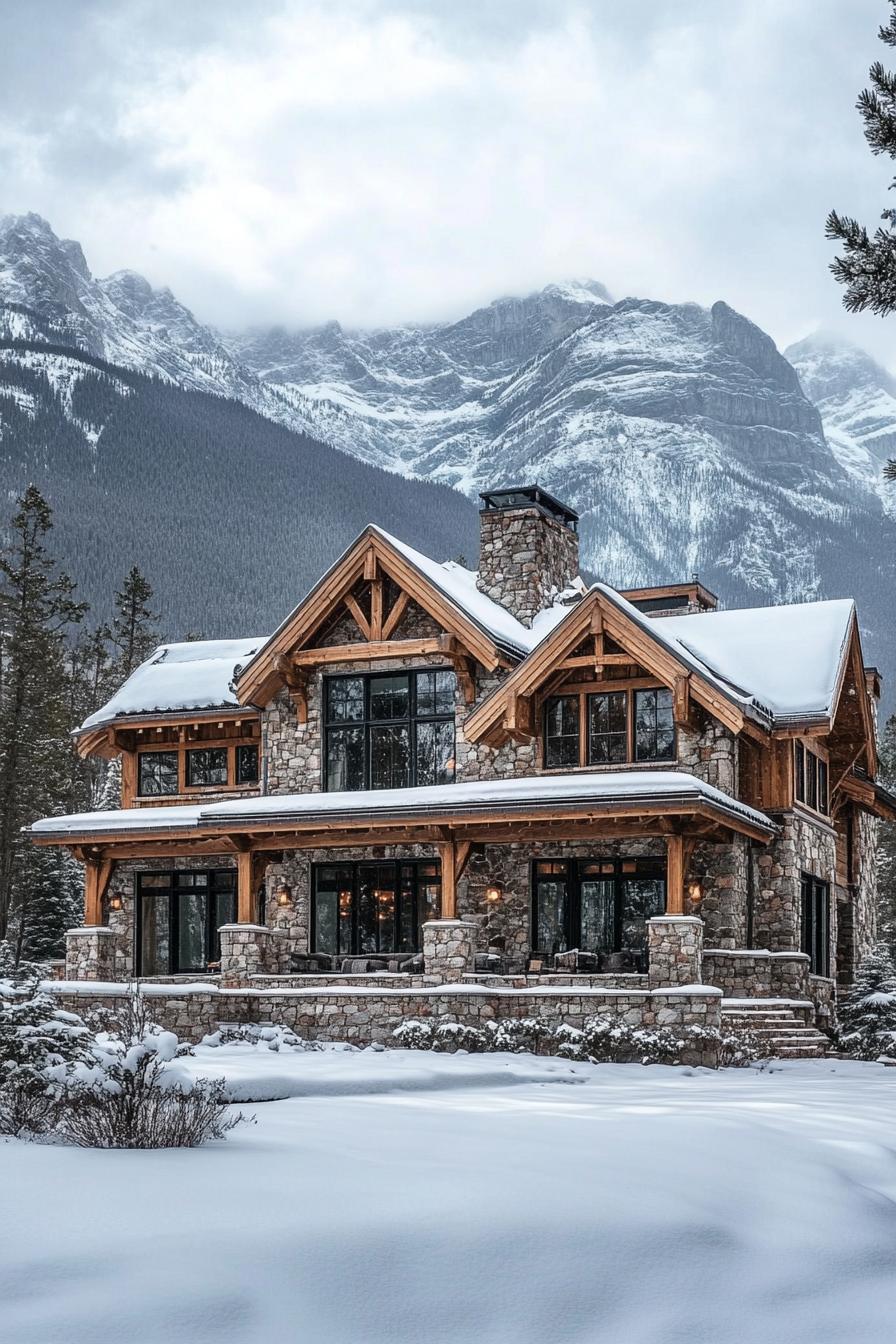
(672, 599)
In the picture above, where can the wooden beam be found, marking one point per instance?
(357, 653)
(448, 858)
(245, 894)
(358, 616)
(97, 875)
(376, 610)
(675, 866)
(370, 564)
(681, 700)
(518, 717)
(463, 849)
(393, 620)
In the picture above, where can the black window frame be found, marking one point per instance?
(191, 755)
(155, 754)
(815, 923)
(811, 780)
(618, 870)
(367, 724)
(584, 739)
(425, 872)
(242, 750)
(217, 879)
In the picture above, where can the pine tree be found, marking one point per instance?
(37, 608)
(868, 1013)
(134, 631)
(868, 266)
(886, 840)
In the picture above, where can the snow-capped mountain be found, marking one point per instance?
(856, 398)
(683, 437)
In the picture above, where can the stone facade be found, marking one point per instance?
(90, 954)
(448, 946)
(251, 949)
(525, 559)
(675, 951)
(804, 846)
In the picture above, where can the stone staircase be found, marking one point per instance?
(784, 1026)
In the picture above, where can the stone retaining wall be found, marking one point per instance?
(369, 1016)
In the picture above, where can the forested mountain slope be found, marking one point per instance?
(231, 516)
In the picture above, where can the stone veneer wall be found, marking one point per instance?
(804, 846)
(369, 1016)
(856, 906)
(525, 559)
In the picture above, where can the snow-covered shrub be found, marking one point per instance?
(39, 1046)
(452, 1036)
(867, 1014)
(19, 972)
(131, 1094)
(524, 1035)
(735, 1049)
(263, 1038)
(414, 1034)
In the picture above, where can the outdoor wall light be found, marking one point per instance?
(695, 891)
(114, 902)
(494, 892)
(284, 895)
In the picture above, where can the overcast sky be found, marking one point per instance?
(294, 161)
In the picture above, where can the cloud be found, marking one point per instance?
(381, 161)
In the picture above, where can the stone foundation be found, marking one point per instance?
(90, 953)
(757, 974)
(363, 1017)
(448, 947)
(675, 950)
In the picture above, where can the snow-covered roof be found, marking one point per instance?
(599, 788)
(786, 659)
(196, 675)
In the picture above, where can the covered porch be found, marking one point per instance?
(580, 839)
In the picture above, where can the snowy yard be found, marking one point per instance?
(400, 1196)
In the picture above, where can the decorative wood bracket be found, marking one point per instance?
(296, 683)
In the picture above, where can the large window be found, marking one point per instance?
(365, 908)
(810, 778)
(597, 905)
(157, 773)
(815, 901)
(609, 727)
(390, 730)
(215, 767)
(178, 917)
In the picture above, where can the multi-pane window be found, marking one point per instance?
(389, 730)
(206, 766)
(609, 727)
(157, 773)
(815, 927)
(196, 767)
(810, 778)
(654, 725)
(247, 764)
(597, 905)
(366, 908)
(178, 918)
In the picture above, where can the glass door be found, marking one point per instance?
(597, 907)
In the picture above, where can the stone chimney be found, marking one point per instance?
(528, 549)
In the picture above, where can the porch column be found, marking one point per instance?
(675, 873)
(245, 912)
(453, 856)
(97, 875)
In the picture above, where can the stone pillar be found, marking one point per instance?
(789, 975)
(448, 947)
(90, 953)
(675, 951)
(246, 950)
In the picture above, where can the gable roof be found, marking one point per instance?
(447, 590)
(770, 665)
(197, 675)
